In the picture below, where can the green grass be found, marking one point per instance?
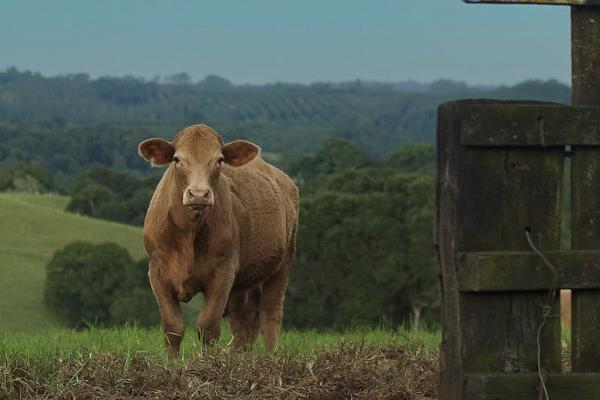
(66, 343)
(33, 227)
(48, 200)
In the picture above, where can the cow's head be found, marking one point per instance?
(198, 155)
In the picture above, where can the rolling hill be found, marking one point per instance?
(32, 228)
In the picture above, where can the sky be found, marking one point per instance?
(260, 41)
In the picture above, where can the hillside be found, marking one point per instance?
(32, 228)
(73, 121)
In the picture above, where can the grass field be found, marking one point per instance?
(130, 363)
(33, 228)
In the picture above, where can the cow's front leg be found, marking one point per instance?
(215, 300)
(170, 311)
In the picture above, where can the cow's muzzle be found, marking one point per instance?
(198, 198)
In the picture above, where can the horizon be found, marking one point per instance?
(162, 80)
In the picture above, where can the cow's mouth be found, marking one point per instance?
(198, 207)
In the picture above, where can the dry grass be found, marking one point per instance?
(348, 371)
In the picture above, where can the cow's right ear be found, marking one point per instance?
(157, 151)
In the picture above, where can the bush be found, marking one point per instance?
(117, 196)
(97, 284)
(26, 177)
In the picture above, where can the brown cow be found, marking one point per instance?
(222, 222)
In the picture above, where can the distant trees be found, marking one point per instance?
(73, 120)
(100, 192)
(365, 250)
(26, 177)
(98, 284)
(214, 83)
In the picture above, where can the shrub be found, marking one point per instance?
(26, 177)
(97, 284)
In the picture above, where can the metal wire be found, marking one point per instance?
(546, 308)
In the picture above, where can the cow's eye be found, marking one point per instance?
(176, 160)
(221, 160)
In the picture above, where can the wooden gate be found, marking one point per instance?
(501, 174)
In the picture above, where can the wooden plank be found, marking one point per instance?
(447, 187)
(550, 2)
(483, 207)
(504, 271)
(526, 124)
(585, 234)
(584, 386)
(585, 191)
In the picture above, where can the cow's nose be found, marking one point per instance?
(198, 196)
(198, 193)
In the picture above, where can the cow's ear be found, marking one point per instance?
(157, 151)
(240, 152)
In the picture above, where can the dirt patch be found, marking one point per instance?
(354, 371)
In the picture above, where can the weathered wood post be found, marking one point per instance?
(501, 173)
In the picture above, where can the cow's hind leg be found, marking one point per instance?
(243, 316)
(271, 306)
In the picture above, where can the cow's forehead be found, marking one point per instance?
(197, 138)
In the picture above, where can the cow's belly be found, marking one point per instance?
(254, 270)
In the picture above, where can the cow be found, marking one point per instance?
(222, 222)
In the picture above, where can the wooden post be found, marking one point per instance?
(585, 192)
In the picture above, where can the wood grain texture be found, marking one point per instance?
(515, 124)
(447, 187)
(585, 386)
(585, 193)
(510, 271)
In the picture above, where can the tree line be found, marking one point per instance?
(74, 120)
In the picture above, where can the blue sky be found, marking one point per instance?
(257, 41)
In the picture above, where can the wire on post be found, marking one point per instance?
(546, 310)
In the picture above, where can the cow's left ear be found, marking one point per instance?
(240, 152)
(157, 151)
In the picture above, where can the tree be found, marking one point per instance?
(413, 158)
(97, 284)
(214, 83)
(26, 177)
(135, 302)
(117, 196)
(334, 155)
